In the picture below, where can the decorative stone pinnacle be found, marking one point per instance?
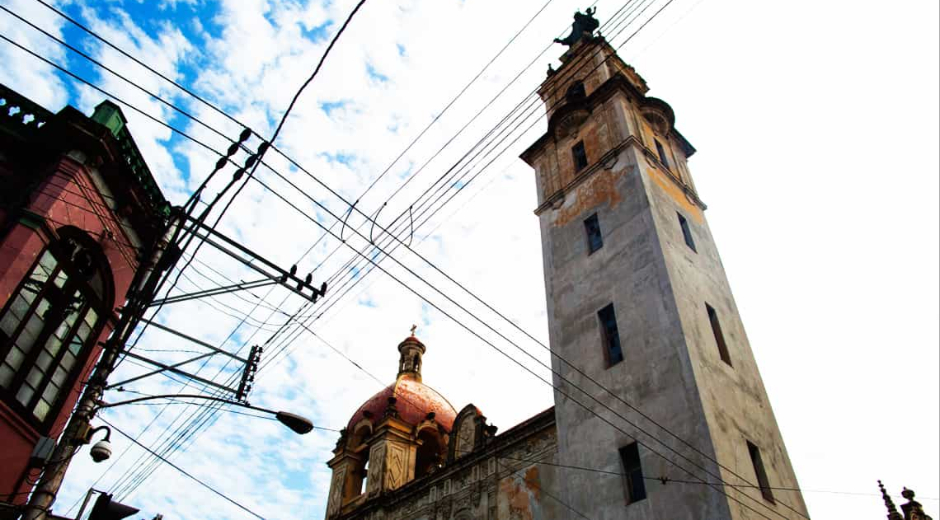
(892, 509)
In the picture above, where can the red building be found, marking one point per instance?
(78, 206)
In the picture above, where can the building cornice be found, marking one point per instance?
(607, 161)
(506, 440)
(618, 83)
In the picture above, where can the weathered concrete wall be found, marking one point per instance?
(630, 272)
(733, 397)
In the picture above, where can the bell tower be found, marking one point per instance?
(638, 300)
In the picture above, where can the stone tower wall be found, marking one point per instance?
(672, 370)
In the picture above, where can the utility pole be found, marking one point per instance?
(76, 432)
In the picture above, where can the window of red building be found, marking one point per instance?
(50, 323)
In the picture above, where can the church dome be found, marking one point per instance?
(413, 399)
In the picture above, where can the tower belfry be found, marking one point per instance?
(639, 301)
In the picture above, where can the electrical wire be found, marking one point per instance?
(494, 58)
(645, 416)
(259, 156)
(181, 470)
(508, 117)
(641, 27)
(666, 479)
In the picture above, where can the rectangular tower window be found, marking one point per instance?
(719, 337)
(611, 336)
(593, 229)
(759, 471)
(686, 232)
(580, 156)
(662, 153)
(633, 473)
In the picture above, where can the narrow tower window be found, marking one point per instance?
(686, 232)
(760, 472)
(662, 153)
(719, 337)
(593, 229)
(576, 91)
(633, 473)
(580, 156)
(611, 336)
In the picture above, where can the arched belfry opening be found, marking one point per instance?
(431, 451)
(357, 470)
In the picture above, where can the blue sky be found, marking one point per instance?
(801, 178)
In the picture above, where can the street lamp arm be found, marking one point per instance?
(295, 422)
(102, 404)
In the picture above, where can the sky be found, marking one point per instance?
(816, 125)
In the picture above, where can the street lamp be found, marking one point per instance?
(296, 423)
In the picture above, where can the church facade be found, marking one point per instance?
(660, 411)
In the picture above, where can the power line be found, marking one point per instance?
(47, 60)
(641, 27)
(458, 96)
(181, 470)
(236, 192)
(581, 372)
(257, 158)
(666, 480)
(532, 108)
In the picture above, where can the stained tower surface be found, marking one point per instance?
(639, 302)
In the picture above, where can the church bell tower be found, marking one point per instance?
(639, 302)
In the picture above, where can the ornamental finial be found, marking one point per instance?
(413, 329)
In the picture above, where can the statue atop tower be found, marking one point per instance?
(584, 25)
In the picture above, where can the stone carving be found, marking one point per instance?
(583, 24)
(476, 493)
(444, 506)
(397, 471)
(377, 458)
(465, 438)
(336, 492)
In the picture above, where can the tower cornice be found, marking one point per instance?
(617, 83)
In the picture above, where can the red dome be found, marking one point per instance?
(415, 401)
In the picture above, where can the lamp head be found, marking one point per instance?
(295, 422)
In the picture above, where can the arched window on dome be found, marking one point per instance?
(50, 323)
(430, 454)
